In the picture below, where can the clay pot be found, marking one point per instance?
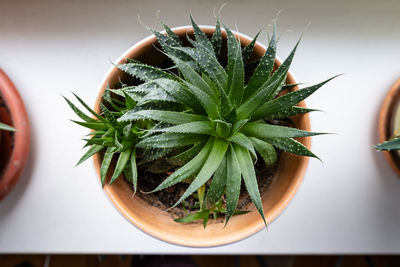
(14, 146)
(385, 124)
(160, 224)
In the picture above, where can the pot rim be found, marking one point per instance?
(142, 225)
(389, 103)
(21, 146)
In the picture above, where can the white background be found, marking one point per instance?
(347, 204)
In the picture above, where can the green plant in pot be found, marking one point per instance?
(202, 121)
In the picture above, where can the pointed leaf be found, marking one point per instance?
(216, 39)
(171, 117)
(105, 164)
(145, 72)
(267, 151)
(121, 164)
(167, 140)
(393, 144)
(214, 159)
(78, 112)
(248, 50)
(233, 183)
(218, 184)
(290, 145)
(263, 130)
(264, 68)
(249, 177)
(184, 157)
(188, 170)
(92, 150)
(286, 101)
(201, 37)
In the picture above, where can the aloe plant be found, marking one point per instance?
(6, 127)
(223, 123)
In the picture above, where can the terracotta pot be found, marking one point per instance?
(14, 146)
(385, 124)
(160, 224)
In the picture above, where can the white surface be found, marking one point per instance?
(348, 204)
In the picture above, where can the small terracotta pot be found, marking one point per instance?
(161, 224)
(385, 123)
(14, 146)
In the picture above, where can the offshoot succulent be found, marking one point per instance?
(208, 117)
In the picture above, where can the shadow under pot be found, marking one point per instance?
(14, 145)
(147, 214)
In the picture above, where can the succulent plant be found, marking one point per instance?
(116, 138)
(6, 127)
(223, 122)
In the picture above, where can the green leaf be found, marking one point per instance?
(92, 150)
(6, 127)
(78, 112)
(121, 164)
(171, 117)
(267, 151)
(201, 37)
(105, 164)
(248, 50)
(200, 215)
(286, 101)
(222, 128)
(180, 92)
(172, 35)
(290, 145)
(153, 154)
(393, 144)
(233, 46)
(145, 72)
(156, 95)
(218, 184)
(206, 101)
(188, 170)
(166, 140)
(89, 109)
(292, 111)
(134, 170)
(110, 118)
(216, 39)
(238, 125)
(243, 141)
(208, 63)
(214, 159)
(195, 127)
(249, 177)
(264, 68)
(199, 88)
(233, 182)
(130, 102)
(237, 83)
(263, 130)
(186, 156)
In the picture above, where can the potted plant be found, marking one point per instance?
(199, 120)
(15, 135)
(389, 127)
